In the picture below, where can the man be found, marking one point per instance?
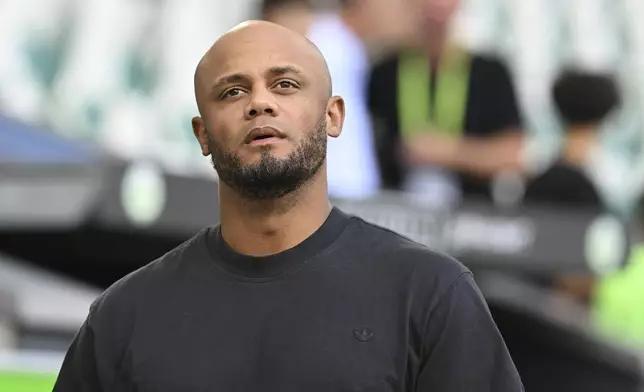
(297, 15)
(287, 293)
(352, 163)
(584, 100)
(448, 110)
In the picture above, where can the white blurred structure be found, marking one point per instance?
(124, 74)
(123, 70)
(45, 301)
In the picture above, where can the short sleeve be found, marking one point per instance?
(98, 358)
(463, 348)
(79, 372)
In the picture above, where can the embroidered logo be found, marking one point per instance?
(363, 334)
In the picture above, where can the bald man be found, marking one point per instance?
(287, 293)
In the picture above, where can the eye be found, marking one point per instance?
(286, 84)
(233, 92)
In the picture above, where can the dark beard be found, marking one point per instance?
(272, 178)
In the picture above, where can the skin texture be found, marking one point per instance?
(263, 76)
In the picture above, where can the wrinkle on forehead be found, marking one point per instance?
(258, 31)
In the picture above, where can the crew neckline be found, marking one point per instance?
(272, 266)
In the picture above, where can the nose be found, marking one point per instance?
(262, 102)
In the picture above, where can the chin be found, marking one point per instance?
(255, 159)
(277, 151)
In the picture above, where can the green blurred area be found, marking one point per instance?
(26, 382)
(619, 301)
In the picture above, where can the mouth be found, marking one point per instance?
(264, 135)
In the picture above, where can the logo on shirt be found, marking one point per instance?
(363, 334)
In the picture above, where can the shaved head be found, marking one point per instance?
(261, 30)
(261, 80)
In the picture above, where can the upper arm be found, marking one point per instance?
(463, 349)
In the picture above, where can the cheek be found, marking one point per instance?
(297, 115)
(219, 130)
(216, 141)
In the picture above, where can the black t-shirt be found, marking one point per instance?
(563, 185)
(352, 308)
(490, 107)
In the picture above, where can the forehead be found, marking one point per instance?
(255, 53)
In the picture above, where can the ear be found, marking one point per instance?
(335, 116)
(199, 129)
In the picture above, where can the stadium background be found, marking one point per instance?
(99, 174)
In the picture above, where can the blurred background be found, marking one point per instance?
(507, 133)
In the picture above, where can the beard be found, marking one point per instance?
(272, 178)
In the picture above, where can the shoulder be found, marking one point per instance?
(387, 63)
(122, 297)
(489, 67)
(424, 265)
(384, 69)
(382, 81)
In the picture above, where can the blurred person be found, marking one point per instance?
(617, 297)
(296, 15)
(287, 293)
(583, 101)
(342, 37)
(439, 109)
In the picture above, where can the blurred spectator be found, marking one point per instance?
(297, 15)
(343, 37)
(446, 108)
(583, 101)
(617, 298)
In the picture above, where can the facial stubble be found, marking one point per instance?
(272, 178)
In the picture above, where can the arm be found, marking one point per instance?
(463, 349)
(482, 157)
(493, 141)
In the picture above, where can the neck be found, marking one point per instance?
(578, 144)
(261, 228)
(436, 42)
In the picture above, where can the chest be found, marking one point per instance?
(314, 341)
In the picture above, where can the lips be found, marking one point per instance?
(262, 133)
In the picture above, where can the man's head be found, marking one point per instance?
(294, 14)
(439, 12)
(264, 95)
(585, 98)
(430, 23)
(433, 17)
(382, 22)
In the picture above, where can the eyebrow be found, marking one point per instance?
(286, 69)
(239, 77)
(229, 79)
